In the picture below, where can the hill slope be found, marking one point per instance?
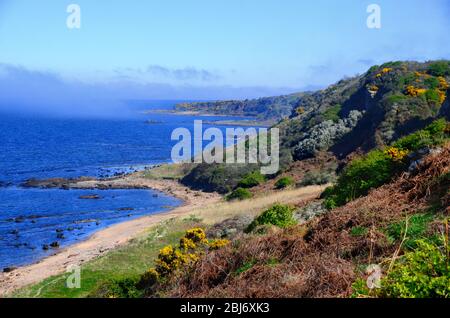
(266, 108)
(352, 116)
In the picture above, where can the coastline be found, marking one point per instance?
(192, 113)
(108, 238)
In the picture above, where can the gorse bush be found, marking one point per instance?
(170, 261)
(252, 180)
(380, 166)
(433, 96)
(239, 194)
(217, 244)
(278, 215)
(441, 68)
(422, 273)
(432, 135)
(284, 182)
(118, 288)
(361, 175)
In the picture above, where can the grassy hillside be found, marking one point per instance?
(352, 116)
(401, 228)
(385, 135)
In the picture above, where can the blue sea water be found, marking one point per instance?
(54, 147)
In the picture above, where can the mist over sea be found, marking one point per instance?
(43, 147)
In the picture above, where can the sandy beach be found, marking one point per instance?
(110, 237)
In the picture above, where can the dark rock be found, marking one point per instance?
(125, 209)
(60, 236)
(89, 197)
(19, 219)
(59, 230)
(45, 247)
(229, 227)
(54, 244)
(53, 182)
(9, 269)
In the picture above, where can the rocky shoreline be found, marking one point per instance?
(12, 278)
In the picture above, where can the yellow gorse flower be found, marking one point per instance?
(414, 91)
(396, 153)
(217, 244)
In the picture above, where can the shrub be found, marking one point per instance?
(217, 244)
(379, 167)
(171, 259)
(422, 273)
(396, 154)
(443, 83)
(117, 288)
(278, 215)
(432, 135)
(284, 182)
(414, 91)
(441, 68)
(332, 113)
(432, 82)
(358, 231)
(195, 235)
(433, 96)
(149, 278)
(239, 194)
(417, 226)
(252, 180)
(361, 175)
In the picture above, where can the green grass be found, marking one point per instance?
(252, 180)
(377, 167)
(417, 227)
(239, 194)
(245, 267)
(358, 231)
(284, 182)
(131, 260)
(278, 215)
(169, 171)
(332, 113)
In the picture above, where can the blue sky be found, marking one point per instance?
(266, 46)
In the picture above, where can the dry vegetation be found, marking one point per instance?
(324, 257)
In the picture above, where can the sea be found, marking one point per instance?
(43, 147)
